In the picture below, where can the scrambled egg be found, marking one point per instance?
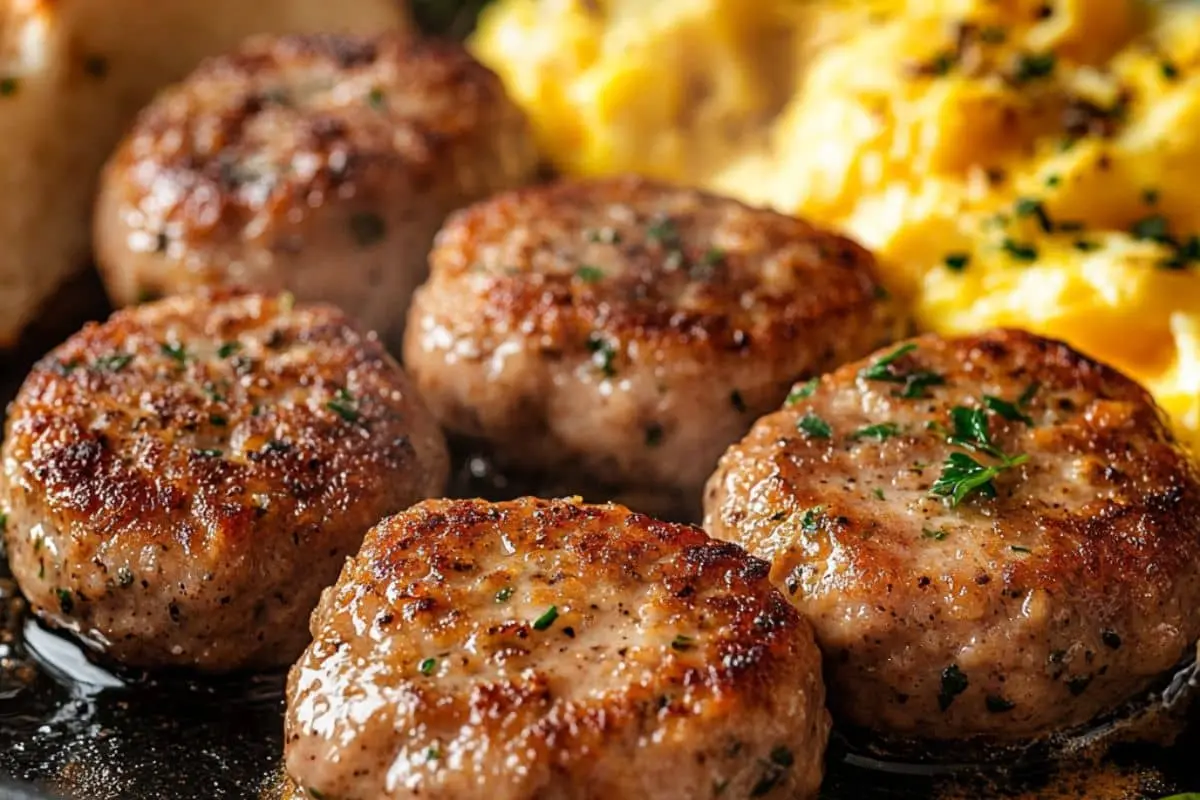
(1011, 162)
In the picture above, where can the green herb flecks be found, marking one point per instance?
(589, 274)
(113, 363)
(682, 643)
(814, 427)
(228, 349)
(427, 666)
(957, 262)
(810, 521)
(880, 432)
(344, 405)
(1031, 207)
(937, 534)
(1019, 251)
(1033, 66)
(604, 354)
(801, 392)
(1007, 410)
(66, 601)
(175, 351)
(546, 619)
(504, 595)
(915, 382)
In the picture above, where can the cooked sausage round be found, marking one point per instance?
(993, 536)
(554, 650)
(626, 332)
(319, 164)
(183, 480)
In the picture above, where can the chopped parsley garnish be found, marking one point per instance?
(428, 666)
(1032, 66)
(367, 228)
(654, 434)
(1019, 548)
(736, 400)
(344, 405)
(1053, 180)
(682, 643)
(218, 420)
(998, 705)
(814, 427)
(504, 594)
(1168, 70)
(209, 453)
(993, 34)
(433, 754)
(915, 382)
(175, 350)
(65, 601)
(880, 432)
(1154, 228)
(375, 99)
(937, 534)
(811, 520)
(802, 391)
(962, 474)
(114, 363)
(589, 274)
(957, 262)
(4, 523)
(664, 232)
(713, 256)
(1021, 251)
(8, 87)
(954, 683)
(603, 354)
(879, 495)
(546, 619)
(1085, 246)
(1009, 411)
(1030, 207)
(228, 349)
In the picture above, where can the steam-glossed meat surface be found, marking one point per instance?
(624, 332)
(1067, 593)
(319, 164)
(183, 480)
(554, 650)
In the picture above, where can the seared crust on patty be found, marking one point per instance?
(627, 331)
(319, 164)
(552, 649)
(1008, 617)
(183, 480)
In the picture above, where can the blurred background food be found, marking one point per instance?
(1012, 162)
(72, 75)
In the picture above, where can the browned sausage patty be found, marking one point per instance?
(1064, 581)
(554, 650)
(625, 332)
(319, 164)
(184, 479)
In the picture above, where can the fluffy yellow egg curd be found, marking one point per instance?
(1017, 163)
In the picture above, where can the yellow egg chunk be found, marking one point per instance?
(1012, 162)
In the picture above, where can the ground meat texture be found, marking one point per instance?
(618, 334)
(1049, 595)
(322, 165)
(183, 480)
(554, 650)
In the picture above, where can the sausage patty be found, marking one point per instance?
(554, 650)
(993, 536)
(183, 480)
(625, 332)
(319, 164)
